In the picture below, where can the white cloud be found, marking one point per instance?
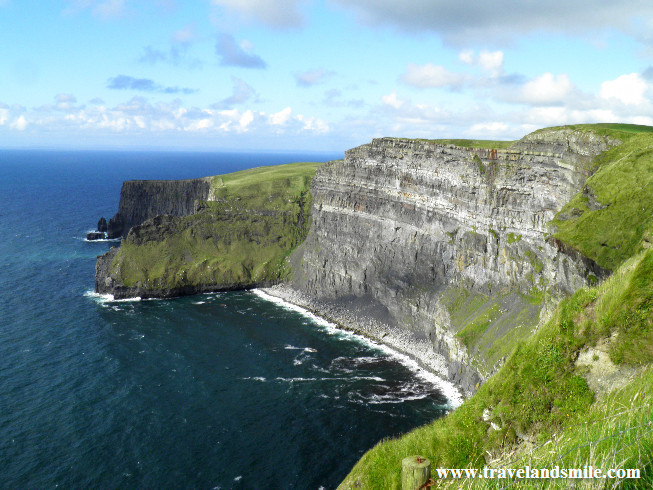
(490, 61)
(392, 100)
(20, 124)
(274, 13)
(627, 89)
(246, 119)
(280, 118)
(4, 115)
(430, 76)
(467, 56)
(546, 89)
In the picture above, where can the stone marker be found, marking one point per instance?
(415, 472)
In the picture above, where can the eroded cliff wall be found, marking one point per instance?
(144, 199)
(446, 244)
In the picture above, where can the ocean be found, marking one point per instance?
(216, 391)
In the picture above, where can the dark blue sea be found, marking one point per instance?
(213, 391)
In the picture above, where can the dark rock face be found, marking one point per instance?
(144, 199)
(94, 235)
(102, 225)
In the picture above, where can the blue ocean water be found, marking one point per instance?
(212, 391)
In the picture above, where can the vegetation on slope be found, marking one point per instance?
(540, 393)
(241, 237)
(537, 409)
(610, 219)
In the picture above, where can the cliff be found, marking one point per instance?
(446, 245)
(144, 199)
(522, 272)
(222, 233)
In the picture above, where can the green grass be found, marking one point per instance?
(465, 143)
(490, 327)
(239, 239)
(616, 432)
(540, 392)
(622, 188)
(618, 130)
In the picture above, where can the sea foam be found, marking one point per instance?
(447, 388)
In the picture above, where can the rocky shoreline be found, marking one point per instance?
(401, 341)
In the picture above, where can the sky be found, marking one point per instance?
(315, 75)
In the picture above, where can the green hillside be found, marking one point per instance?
(242, 237)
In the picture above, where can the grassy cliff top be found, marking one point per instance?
(611, 218)
(604, 129)
(239, 237)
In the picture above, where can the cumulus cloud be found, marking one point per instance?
(627, 89)
(232, 54)
(20, 124)
(311, 77)
(274, 13)
(430, 76)
(125, 82)
(461, 23)
(139, 116)
(545, 90)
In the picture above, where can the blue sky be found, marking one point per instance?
(315, 74)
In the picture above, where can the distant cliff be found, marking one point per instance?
(144, 199)
(219, 233)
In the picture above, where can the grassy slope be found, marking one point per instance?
(608, 221)
(242, 237)
(540, 393)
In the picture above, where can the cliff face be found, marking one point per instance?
(445, 243)
(237, 236)
(144, 199)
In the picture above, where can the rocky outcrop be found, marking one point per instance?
(102, 225)
(95, 235)
(400, 222)
(144, 199)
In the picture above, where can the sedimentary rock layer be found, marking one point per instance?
(400, 222)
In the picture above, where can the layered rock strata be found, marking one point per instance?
(401, 222)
